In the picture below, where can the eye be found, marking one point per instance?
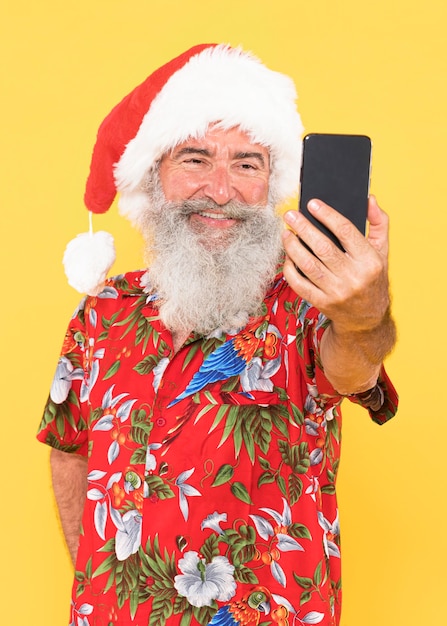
(193, 160)
(247, 168)
(193, 163)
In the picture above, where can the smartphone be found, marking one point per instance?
(336, 169)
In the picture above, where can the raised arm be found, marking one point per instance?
(350, 288)
(69, 474)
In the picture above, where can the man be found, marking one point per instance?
(194, 415)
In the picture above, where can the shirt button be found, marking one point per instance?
(160, 421)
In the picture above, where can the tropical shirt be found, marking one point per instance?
(211, 471)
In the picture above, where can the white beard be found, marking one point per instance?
(210, 280)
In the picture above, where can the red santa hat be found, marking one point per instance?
(207, 84)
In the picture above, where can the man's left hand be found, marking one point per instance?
(350, 288)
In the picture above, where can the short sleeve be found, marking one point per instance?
(64, 424)
(381, 401)
(315, 324)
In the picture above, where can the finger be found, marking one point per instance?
(314, 290)
(326, 251)
(378, 226)
(300, 284)
(302, 257)
(346, 232)
(309, 273)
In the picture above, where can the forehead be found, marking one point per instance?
(217, 140)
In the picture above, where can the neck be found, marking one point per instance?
(178, 339)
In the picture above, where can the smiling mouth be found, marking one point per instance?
(214, 216)
(212, 222)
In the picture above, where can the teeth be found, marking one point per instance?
(216, 216)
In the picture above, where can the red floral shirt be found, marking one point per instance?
(211, 472)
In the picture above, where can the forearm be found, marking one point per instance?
(352, 360)
(69, 475)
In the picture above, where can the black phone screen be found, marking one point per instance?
(336, 169)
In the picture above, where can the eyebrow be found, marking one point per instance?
(205, 152)
(191, 150)
(251, 155)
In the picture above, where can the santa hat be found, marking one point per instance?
(207, 84)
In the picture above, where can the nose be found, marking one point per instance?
(219, 186)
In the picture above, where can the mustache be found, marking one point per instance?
(231, 210)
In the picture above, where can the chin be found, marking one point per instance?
(212, 238)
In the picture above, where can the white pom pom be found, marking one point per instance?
(87, 259)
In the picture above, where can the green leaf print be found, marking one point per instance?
(107, 323)
(231, 384)
(144, 332)
(210, 548)
(110, 581)
(161, 610)
(241, 543)
(240, 491)
(107, 564)
(53, 441)
(318, 574)
(146, 365)
(141, 427)
(280, 417)
(266, 478)
(303, 581)
(61, 413)
(158, 487)
(299, 531)
(296, 456)
(245, 575)
(127, 576)
(186, 617)
(249, 425)
(280, 481)
(298, 415)
(190, 355)
(109, 546)
(333, 427)
(230, 422)
(112, 370)
(133, 602)
(311, 585)
(305, 597)
(328, 489)
(242, 435)
(262, 426)
(181, 605)
(133, 317)
(204, 614)
(264, 463)
(138, 456)
(221, 412)
(295, 488)
(224, 474)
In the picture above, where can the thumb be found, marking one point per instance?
(378, 226)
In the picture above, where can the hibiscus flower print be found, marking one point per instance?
(202, 582)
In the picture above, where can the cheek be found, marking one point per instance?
(177, 186)
(256, 192)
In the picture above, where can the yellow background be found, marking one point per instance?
(377, 68)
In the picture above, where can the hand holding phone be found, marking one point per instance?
(336, 169)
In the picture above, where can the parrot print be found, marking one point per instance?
(244, 612)
(229, 359)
